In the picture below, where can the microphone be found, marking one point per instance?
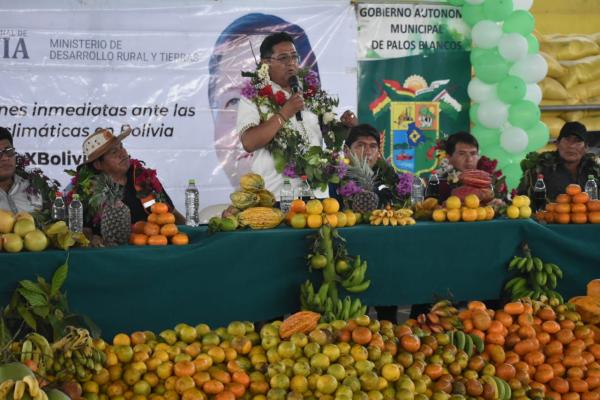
(295, 85)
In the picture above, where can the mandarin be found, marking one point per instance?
(159, 208)
(157, 240)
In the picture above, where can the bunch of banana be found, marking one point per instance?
(467, 342)
(536, 280)
(27, 384)
(343, 309)
(500, 387)
(36, 348)
(76, 356)
(443, 316)
(388, 216)
(354, 281)
(311, 300)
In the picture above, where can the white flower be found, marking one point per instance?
(263, 73)
(329, 117)
(597, 159)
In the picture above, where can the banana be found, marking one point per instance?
(529, 264)
(322, 294)
(501, 388)
(33, 385)
(513, 282)
(552, 281)
(538, 264)
(468, 345)
(557, 271)
(514, 262)
(355, 308)
(359, 288)
(489, 380)
(345, 314)
(521, 266)
(47, 355)
(519, 286)
(20, 387)
(41, 396)
(541, 278)
(548, 269)
(459, 340)
(478, 343)
(26, 350)
(5, 388)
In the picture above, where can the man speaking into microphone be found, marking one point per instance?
(258, 127)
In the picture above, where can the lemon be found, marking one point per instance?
(526, 201)
(518, 201)
(524, 212)
(453, 203)
(453, 214)
(439, 215)
(472, 201)
(513, 212)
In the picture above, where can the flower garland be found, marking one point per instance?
(40, 186)
(145, 182)
(291, 151)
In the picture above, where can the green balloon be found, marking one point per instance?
(487, 138)
(456, 2)
(511, 89)
(498, 153)
(473, 113)
(478, 53)
(491, 68)
(520, 21)
(533, 46)
(539, 135)
(472, 14)
(524, 114)
(497, 10)
(513, 174)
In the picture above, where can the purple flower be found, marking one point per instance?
(312, 79)
(349, 189)
(404, 185)
(290, 170)
(342, 169)
(248, 90)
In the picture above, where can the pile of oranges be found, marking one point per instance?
(546, 348)
(314, 213)
(455, 211)
(572, 207)
(158, 230)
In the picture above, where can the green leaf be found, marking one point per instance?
(43, 284)
(58, 327)
(59, 277)
(33, 298)
(5, 336)
(27, 317)
(31, 286)
(41, 311)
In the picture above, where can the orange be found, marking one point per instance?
(298, 206)
(410, 343)
(563, 198)
(593, 205)
(562, 208)
(581, 198)
(165, 218)
(330, 219)
(514, 308)
(314, 221)
(489, 212)
(453, 215)
(298, 221)
(138, 239)
(361, 335)
(549, 217)
(573, 189)
(314, 207)
(138, 227)
(550, 207)
(213, 387)
(169, 230)
(159, 208)
(152, 218)
(180, 239)
(594, 217)
(439, 215)
(481, 214)
(184, 368)
(469, 214)
(562, 218)
(579, 218)
(578, 208)
(330, 206)
(157, 240)
(151, 229)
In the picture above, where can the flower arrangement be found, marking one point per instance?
(40, 186)
(290, 148)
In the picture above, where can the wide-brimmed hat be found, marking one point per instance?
(573, 128)
(98, 143)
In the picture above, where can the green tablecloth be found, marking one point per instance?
(255, 275)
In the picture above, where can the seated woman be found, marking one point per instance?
(109, 167)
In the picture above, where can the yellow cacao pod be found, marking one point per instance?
(303, 321)
(252, 181)
(266, 198)
(260, 217)
(243, 200)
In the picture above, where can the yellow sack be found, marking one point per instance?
(581, 71)
(553, 90)
(585, 91)
(554, 125)
(596, 37)
(591, 123)
(570, 47)
(579, 115)
(555, 70)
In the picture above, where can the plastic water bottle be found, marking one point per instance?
(286, 196)
(76, 214)
(433, 186)
(192, 204)
(59, 210)
(539, 194)
(591, 188)
(305, 192)
(417, 193)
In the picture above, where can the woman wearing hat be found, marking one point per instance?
(104, 154)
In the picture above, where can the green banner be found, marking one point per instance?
(415, 101)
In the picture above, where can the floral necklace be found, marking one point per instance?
(40, 186)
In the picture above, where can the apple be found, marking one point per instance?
(24, 215)
(7, 221)
(12, 242)
(23, 227)
(36, 241)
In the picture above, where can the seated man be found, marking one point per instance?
(571, 163)
(16, 193)
(105, 154)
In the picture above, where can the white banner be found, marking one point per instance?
(171, 73)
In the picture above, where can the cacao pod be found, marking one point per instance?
(243, 200)
(303, 321)
(266, 198)
(260, 217)
(252, 181)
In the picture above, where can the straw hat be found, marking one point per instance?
(100, 142)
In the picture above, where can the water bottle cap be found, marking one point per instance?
(304, 177)
(58, 193)
(192, 182)
(75, 196)
(540, 176)
(591, 177)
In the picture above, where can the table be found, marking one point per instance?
(255, 275)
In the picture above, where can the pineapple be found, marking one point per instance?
(115, 224)
(360, 171)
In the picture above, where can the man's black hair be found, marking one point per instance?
(360, 131)
(460, 137)
(5, 135)
(266, 48)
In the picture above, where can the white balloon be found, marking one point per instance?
(513, 46)
(493, 114)
(532, 69)
(486, 34)
(514, 140)
(534, 93)
(474, 2)
(480, 92)
(522, 4)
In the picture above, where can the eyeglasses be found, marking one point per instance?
(287, 59)
(8, 152)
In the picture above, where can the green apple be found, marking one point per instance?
(23, 227)
(12, 242)
(36, 241)
(7, 221)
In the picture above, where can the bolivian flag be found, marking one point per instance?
(398, 89)
(380, 104)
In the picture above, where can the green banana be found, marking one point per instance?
(355, 308)
(557, 271)
(459, 340)
(26, 350)
(47, 355)
(514, 262)
(519, 285)
(521, 266)
(500, 384)
(478, 343)
(468, 345)
(529, 264)
(538, 264)
(322, 294)
(32, 384)
(513, 282)
(552, 281)
(359, 288)
(346, 308)
(548, 269)
(540, 278)
(356, 277)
